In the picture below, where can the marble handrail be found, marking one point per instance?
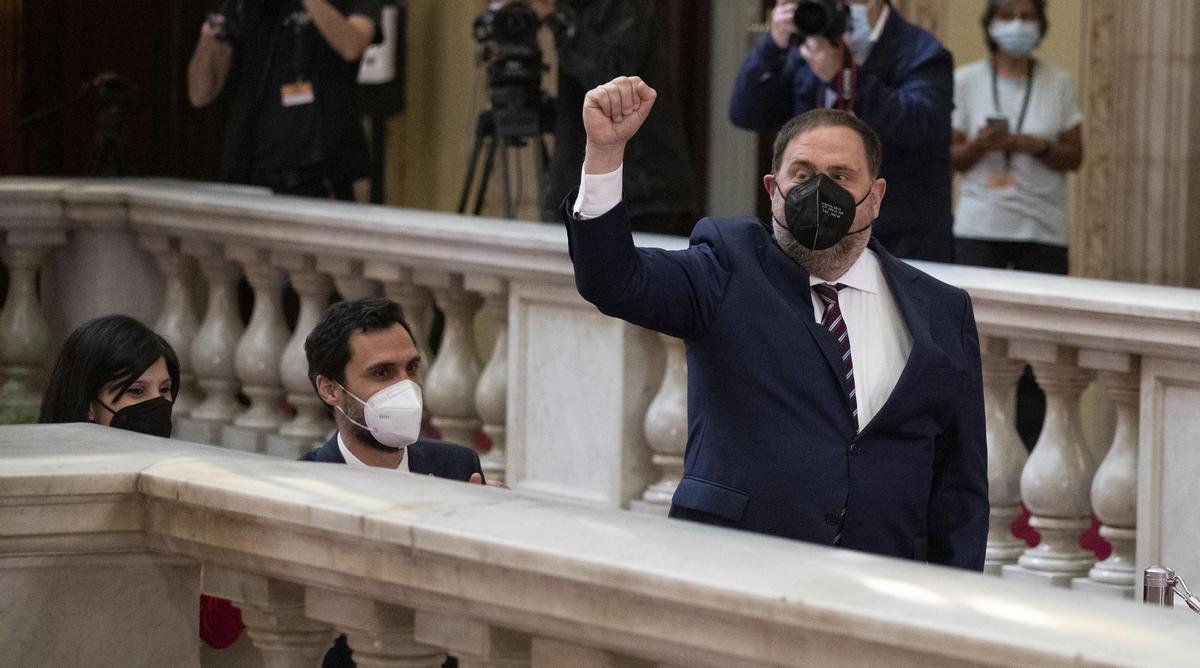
(638, 588)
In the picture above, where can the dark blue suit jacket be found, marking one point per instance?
(905, 93)
(771, 444)
(427, 457)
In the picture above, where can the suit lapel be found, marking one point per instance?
(330, 452)
(915, 311)
(791, 281)
(417, 461)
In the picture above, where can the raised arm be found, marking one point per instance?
(349, 36)
(209, 67)
(673, 292)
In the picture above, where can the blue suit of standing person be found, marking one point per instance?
(365, 366)
(834, 392)
(902, 85)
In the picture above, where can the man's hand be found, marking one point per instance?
(477, 479)
(824, 58)
(612, 114)
(1021, 143)
(210, 30)
(783, 22)
(991, 138)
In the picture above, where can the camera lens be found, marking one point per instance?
(812, 18)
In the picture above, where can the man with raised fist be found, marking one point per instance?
(834, 392)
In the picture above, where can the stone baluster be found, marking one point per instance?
(450, 385)
(259, 354)
(475, 644)
(24, 333)
(311, 424)
(1006, 453)
(666, 430)
(491, 394)
(348, 278)
(274, 614)
(1114, 489)
(177, 323)
(213, 348)
(379, 634)
(1057, 479)
(400, 285)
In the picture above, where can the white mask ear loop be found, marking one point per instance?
(352, 420)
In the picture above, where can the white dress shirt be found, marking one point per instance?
(879, 340)
(355, 461)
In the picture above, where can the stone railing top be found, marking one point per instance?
(1103, 315)
(655, 588)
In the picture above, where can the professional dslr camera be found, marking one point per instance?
(229, 20)
(514, 64)
(824, 18)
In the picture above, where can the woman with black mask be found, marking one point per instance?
(116, 372)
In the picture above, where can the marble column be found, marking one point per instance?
(1006, 453)
(348, 278)
(259, 354)
(274, 614)
(474, 643)
(491, 394)
(450, 386)
(1057, 479)
(379, 634)
(213, 348)
(312, 424)
(177, 323)
(1114, 489)
(1141, 172)
(666, 430)
(25, 354)
(400, 285)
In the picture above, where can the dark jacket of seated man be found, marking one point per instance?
(365, 366)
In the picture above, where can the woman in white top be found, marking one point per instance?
(1016, 132)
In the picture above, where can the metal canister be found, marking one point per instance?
(1159, 587)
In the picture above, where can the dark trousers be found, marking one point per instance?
(1022, 256)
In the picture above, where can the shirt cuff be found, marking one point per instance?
(598, 193)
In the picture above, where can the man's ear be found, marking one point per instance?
(879, 187)
(327, 390)
(769, 184)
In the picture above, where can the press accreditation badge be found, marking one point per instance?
(297, 94)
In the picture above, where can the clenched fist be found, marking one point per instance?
(612, 114)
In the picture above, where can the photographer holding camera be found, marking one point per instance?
(291, 66)
(862, 56)
(596, 41)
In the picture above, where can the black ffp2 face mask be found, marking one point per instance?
(151, 417)
(819, 212)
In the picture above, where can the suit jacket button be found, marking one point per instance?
(854, 449)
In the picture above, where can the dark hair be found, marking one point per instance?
(825, 118)
(993, 7)
(100, 352)
(328, 345)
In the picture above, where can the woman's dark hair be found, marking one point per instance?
(994, 6)
(113, 349)
(328, 345)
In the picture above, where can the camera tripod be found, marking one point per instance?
(500, 140)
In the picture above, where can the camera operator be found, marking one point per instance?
(596, 41)
(291, 65)
(863, 57)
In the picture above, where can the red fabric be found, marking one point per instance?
(1090, 540)
(220, 622)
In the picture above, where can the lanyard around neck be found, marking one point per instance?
(1024, 104)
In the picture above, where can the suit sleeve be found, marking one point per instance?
(764, 95)
(914, 112)
(958, 503)
(673, 292)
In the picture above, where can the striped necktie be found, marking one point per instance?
(836, 325)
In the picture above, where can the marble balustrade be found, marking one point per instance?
(108, 537)
(583, 406)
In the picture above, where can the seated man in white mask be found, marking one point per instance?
(365, 366)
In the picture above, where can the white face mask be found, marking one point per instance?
(1016, 37)
(393, 414)
(859, 39)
